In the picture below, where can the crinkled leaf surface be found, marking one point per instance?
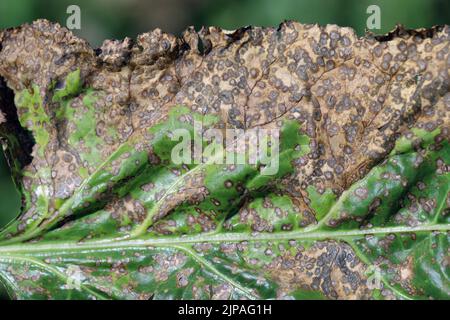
(358, 209)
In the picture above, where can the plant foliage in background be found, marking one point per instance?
(358, 210)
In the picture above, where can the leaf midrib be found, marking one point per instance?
(114, 243)
(24, 252)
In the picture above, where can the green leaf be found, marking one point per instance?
(358, 208)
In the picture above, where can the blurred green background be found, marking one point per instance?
(106, 19)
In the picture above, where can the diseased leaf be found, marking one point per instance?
(358, 208)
